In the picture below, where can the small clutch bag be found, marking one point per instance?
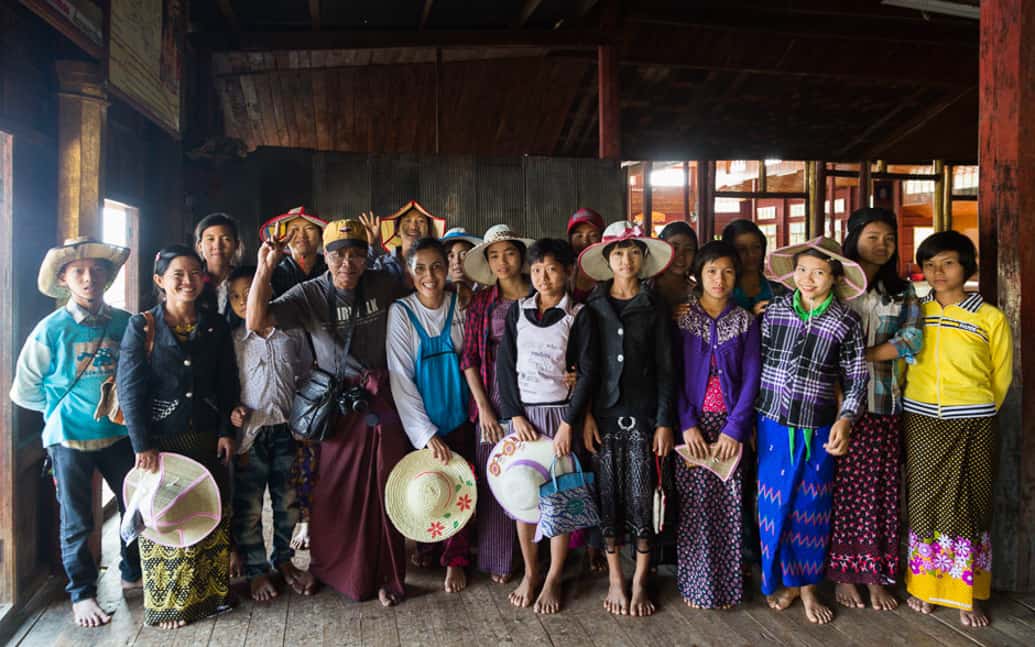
(723, 469)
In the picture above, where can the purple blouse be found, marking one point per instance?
(733, 342)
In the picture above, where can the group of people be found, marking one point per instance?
(787, 396)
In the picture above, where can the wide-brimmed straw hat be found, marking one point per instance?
(428, 501)
(390, 237)
(656, 259)
(459, 234)
(516, 468)
(276, 227)
(77, 249)
(476, 265)
(180, 503)
(780, 267)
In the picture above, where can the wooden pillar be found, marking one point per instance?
(938, 199)
(864, 185)
(686, 191)
(609, 121)
(82, 123)
(705, 203)
(648, 198)
(816, 185)
(1006, 202)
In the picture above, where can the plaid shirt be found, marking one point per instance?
(477, 352)
(803, 362)
(892, 318)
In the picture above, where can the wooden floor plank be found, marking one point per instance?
(269, 620)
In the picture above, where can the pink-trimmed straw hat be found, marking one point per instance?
(179, 503)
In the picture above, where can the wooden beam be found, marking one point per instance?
(272, 41)
(922, 120)
(425, 12)
(227, 10)
(527, 10)
(705, 205)
(314, 14)
(609, 107)
(648, 198)
(908, 103)
(1006, 200)
(816, 188)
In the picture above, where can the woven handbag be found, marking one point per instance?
(567, 502)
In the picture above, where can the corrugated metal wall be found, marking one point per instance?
(532, 194)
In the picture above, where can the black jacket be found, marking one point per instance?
(186, 387)
(635, 369)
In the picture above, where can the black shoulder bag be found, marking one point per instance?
(315, 408)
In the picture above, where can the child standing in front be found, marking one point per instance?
(955, 389)
(270, 363)
(545, 335)
(811, 342)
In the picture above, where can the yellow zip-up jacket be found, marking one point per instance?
(966, 364)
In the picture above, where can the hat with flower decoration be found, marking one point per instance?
(428, 501)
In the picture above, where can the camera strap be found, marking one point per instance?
(350, 324)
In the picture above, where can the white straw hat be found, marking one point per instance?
(655, 261)
(428, 501)
(515, 470)
(476, 265)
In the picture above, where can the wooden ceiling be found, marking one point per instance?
(796, 79)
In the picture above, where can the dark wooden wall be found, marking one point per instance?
(536, 195)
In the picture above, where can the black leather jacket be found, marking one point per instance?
(636, 375)
(193, 386)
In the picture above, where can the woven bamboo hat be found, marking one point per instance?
(276, 227)
(77, 249)
(780, 267)
(428, 501)
(180, 503)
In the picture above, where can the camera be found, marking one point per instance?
(353, 399)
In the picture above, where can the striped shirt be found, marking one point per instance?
(802, 362)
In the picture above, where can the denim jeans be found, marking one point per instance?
(266, 464)
(73, 478)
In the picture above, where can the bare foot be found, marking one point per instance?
(172, 624)
(132, 588)
(975, 618)
(387, 598)
(236, 565)
(456, 579)
(815, 611)
(300, 538)
(262, 588)
(301, 582)
(641, 604)
(549, 600)
(617, 602)
(847, 595)
(597, 561)
(524, 594)
(782, 598)
(881, 599)
(690, 604)
(89, 614)
(918, 605)
(500, 578)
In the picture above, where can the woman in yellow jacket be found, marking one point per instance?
(954, 390)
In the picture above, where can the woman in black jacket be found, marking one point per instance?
(179, 396)
(633, 401)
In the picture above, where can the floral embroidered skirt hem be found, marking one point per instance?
(795, 484)
(949, 471)
(710, 560)
(186, 584)
(865, 526)
(625, 471)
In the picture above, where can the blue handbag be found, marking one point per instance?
(567, 502)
